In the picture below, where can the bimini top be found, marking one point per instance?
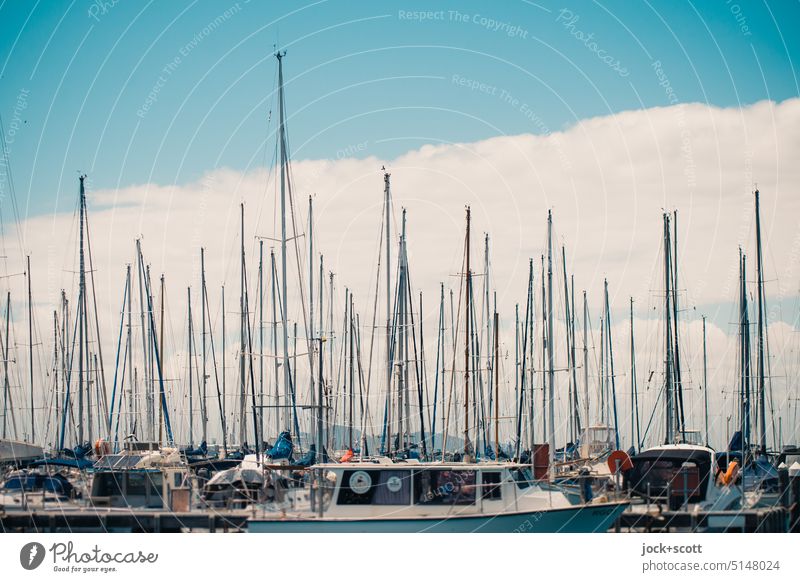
(682, 452)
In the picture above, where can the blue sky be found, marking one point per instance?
(363, 78)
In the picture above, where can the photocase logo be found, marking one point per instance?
(31, 555)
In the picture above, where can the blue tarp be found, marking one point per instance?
(282, 448)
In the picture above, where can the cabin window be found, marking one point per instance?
(106, 485)
(522, 477)
(375, 488)
(156, 484)
(491, 485)
(444, 487)
(393, 488)
(136, 484)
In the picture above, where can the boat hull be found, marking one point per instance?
(581, 519)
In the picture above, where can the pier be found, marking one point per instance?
(94, 520)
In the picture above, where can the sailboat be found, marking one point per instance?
(678, 473)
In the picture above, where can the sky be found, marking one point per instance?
(607, 113)
(363, 78)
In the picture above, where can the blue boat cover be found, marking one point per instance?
(282, 448)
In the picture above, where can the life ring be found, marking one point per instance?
(624, 460)
(102, 447)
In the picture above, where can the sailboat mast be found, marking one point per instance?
(677, 353)
(466, 341)
(610, 345)
(284, 253)
(668, 388)
(242, 340)
(81, 305)
(570, 353)
(576, 404)
(161, 365)
(496, 388)
(586, 359)
(190, 365)
(224, 370)
(311, 267)
(30, 333)
(762, 415)
(204, 395)
(6, 386)
(635, 437)
(744, 352)
(705, 380)
(129, 348)
(550, 362)
(387, 194)
(351, 371)
(261, 337)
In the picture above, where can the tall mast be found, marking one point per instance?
(387, 194)
(677, 353)
(669, 391)
(611, 366)
(55, 374)
(261, 336)
(545, 419)
(570, 352)
(224, 370)
(145, 350)
(242, 341)
(320, 384)
(586, 359)
(276, 362)
(204, 394)
(284, 280)
(762, 415)
(161, 366)
(311, 294)
(190, 364)
(30, 329)
(6, 386)
(351, 381)
(496, 388)
(576, 404)
(81, 303)
(151, 343)
(129, 348)
(550, 363)
(402, 386)
(635, 435)
(467, 447)
(489, 316)
(518, 395)
(744, 352)
(705, 380)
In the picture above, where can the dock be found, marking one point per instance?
(101, 520)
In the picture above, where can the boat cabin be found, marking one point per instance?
(678, 474)
(422, 489)
(145, 478)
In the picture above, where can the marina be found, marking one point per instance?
(258, 379)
